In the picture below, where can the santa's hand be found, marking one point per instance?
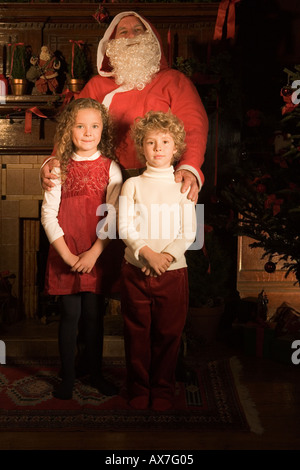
(47, 176)
(188, 180)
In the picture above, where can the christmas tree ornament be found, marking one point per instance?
(101, 15)
(261, 188)
(270, 267)
(244, 155)
(286, 91)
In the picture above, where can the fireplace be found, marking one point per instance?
(21, 196)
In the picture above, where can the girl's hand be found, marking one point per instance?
(85, 263)
(71, 260)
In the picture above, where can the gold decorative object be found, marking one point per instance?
(18, 86)
(76, 84)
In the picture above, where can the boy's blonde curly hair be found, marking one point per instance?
(162, 122)
(63, 135)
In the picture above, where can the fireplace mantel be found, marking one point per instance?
(191, 27)
(84, 11)
(14, 139)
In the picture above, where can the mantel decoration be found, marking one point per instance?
(43, 72)
(77, 66)
(18, 61)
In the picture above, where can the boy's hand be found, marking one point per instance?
(156, 263)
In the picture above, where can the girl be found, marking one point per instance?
(78, 258)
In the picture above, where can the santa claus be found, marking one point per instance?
(134, 78)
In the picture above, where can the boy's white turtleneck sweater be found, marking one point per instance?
(154, 212)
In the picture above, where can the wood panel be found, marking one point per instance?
(36, 24)
(191, 25)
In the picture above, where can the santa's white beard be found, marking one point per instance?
(134, 61)
(45, 56)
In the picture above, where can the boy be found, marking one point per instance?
(157, 223)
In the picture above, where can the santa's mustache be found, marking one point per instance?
(124, 42)
(133, 41)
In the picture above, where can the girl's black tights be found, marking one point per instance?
(88, 307)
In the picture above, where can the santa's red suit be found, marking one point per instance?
(169, 89)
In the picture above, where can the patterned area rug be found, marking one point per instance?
(213, 400)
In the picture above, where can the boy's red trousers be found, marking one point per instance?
(154, 311)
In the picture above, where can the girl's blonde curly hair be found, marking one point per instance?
(162, 122)
(63, 135)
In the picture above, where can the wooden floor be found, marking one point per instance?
(273, 386)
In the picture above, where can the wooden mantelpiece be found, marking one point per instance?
(53, 24)
(84, 11)
(14, 140)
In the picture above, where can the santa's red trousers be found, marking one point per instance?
(154, 311)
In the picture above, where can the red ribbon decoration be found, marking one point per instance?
(101, 15)
(12, 57)
(273, 201)
(169, 48)
(68, 95)
(289, 105)
(225, 7)
(28, 118)
(217, 141)
(79, 44)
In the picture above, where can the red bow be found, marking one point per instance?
(68, 96)
(225, 5)
(101, 15)
(28, 118)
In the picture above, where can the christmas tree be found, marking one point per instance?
(264, 193)
(19, 61)
(78, 66)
